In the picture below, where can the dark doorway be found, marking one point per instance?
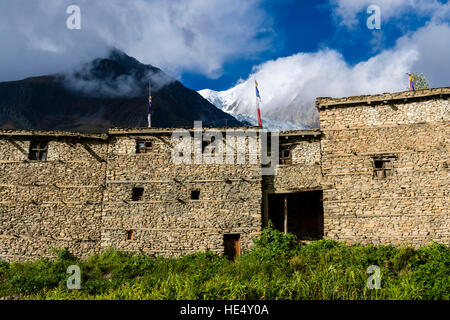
(276, 210)
(232, 246)
(299, 213)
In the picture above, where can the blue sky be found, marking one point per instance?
(308, 26)
(298, 26)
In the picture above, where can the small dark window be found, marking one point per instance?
(382, 167)
(285, 156)
(204, 145)
(378, 164)
(38, 150)
(195, 194)
(208, 143)
(143, 146)
(138, 194)
(130, 234)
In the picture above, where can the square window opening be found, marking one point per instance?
(130, 234)
(382, 167)
(285, 156)
(143, 146)
(138, 194)
(195, 195)
(38, 150)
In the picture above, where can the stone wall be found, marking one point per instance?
(81, 197)
(304, 172)
(54, 203)
(411, 133)
(166, 220)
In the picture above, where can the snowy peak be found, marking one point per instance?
(240, 101)
(227, 101)
(212, 96)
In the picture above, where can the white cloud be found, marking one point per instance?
(176, 35)
(432, 43)
(290, 85)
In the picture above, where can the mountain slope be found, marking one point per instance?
(103, 93)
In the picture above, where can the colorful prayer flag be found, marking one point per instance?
(258, 102)
(411, 83)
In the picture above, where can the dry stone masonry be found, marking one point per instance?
(377, 172)
(385, 166)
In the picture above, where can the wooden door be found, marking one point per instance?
(232, 246)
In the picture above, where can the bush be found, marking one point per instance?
(36, 276)
(276, 242)
(430, 269)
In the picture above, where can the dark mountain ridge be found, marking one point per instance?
(109, 92)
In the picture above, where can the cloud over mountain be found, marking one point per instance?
(177, 35)
(117, 76)
(289, 85)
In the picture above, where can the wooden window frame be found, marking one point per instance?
(146, 148)
(38, 150)
(130, 235)
(286, 160)
(383, 167)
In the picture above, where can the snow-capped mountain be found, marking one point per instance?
(272, 125)
(240, 101)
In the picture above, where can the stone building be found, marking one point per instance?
(376, 172)
(385, 165)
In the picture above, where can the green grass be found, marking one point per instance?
(276, 268)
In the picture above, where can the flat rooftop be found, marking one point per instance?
(61, 134)
(136, 131)
(324, 102)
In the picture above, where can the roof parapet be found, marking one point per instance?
(136, 131)
(324, 102)
(145, 130)
(60, 134)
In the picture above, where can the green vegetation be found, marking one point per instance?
(276, 268)
(420, 81)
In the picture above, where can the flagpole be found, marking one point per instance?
(258, 99)
(149, 116)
